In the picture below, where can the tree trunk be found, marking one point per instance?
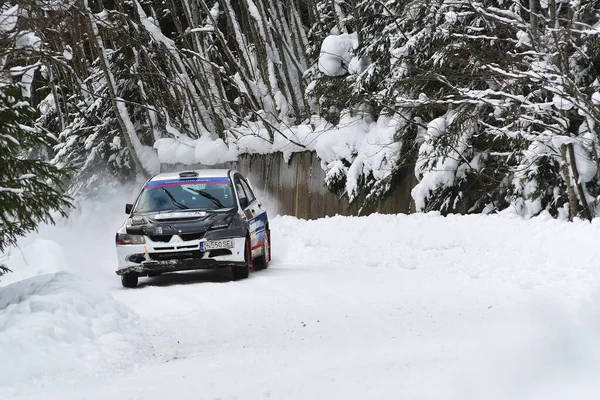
(534, 9)
(96, 40)
(586, 210)
(567, 176)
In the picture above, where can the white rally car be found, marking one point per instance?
(190, 220)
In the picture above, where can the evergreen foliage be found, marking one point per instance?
(494, 102)
(30, 188)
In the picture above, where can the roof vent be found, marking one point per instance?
(188, 174)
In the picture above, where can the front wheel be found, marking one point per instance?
(129, 280)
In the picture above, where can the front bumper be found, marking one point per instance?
(160, 257)
(188, 264)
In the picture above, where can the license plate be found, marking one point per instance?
(217, 244)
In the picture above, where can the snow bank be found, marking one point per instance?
(543, 254)
(58, 319)
(55, 325)
(498, 306)
(540, 335)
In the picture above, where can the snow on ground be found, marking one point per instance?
(385, 306)
(54, 327)
(58, 319)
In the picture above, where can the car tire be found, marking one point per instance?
(129, 280)
(239, 272)
(262, 262)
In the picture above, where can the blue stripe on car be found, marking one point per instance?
(155, 184)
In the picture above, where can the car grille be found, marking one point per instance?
(160, 238)
(191, 236)
(186, 237)
(179, 255)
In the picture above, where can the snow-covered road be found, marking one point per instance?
(413, 307)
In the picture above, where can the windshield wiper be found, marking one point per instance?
(208, 196)
(178, 204)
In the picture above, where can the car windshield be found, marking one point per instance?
(200, 193)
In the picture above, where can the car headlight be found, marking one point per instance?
(125, 238)
(137, 221)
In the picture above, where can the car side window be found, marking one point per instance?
(249, 192)
(241, 192)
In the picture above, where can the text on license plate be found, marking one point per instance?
(217, 244)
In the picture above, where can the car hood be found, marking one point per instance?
(178, 222)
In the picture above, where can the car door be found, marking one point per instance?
(255, 213)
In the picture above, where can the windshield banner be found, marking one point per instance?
(180, 182)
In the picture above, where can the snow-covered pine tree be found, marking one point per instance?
(355, 77)
(560, 117)
(442, 77)
(30, 188)
(153, 69)
(500, 95)
(91, 142)
(72, 98)
(498, 100)
(382, 28)
(331, 89)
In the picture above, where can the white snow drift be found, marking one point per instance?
(385, 306)
(55, 327)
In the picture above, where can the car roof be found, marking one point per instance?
(201, 173)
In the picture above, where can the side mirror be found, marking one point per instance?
(128, 208)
